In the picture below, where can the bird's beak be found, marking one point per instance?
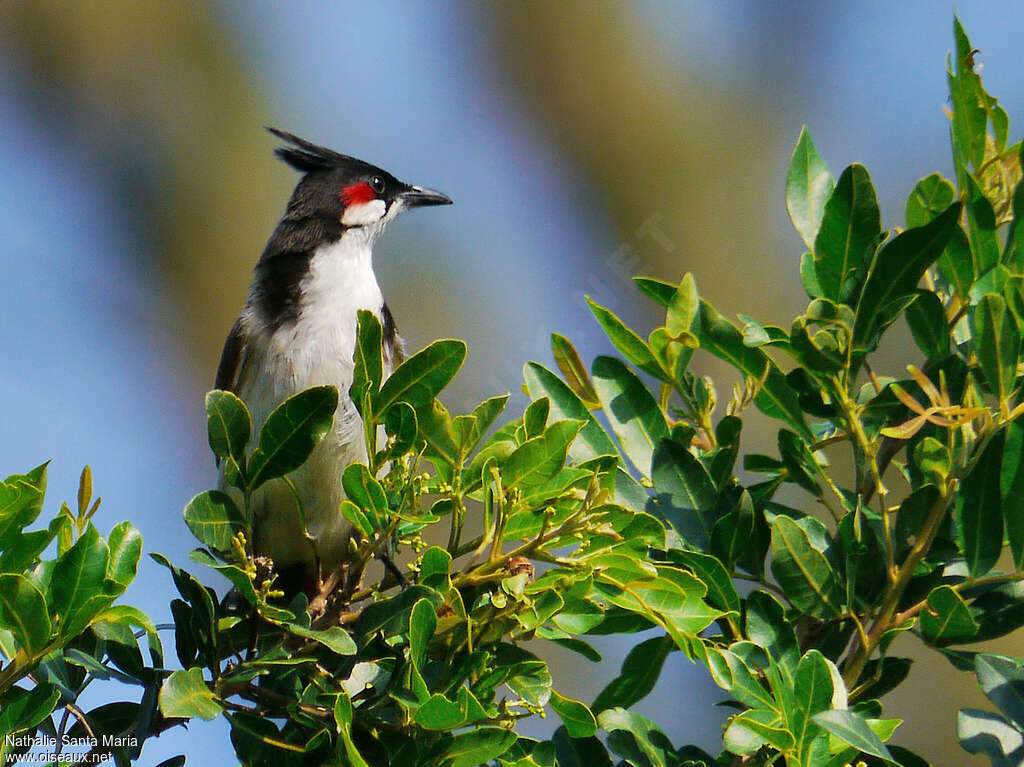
(418, 196)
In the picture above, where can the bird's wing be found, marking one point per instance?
(231, 358)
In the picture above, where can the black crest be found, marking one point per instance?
(307, 157)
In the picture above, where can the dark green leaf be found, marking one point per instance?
(981, 230)
(766, 625)
(803, 572)
(76, 588)
(572, 367)
(775, 397)
(401, 424)
(214, 519)
(228, 425)
(931, 195)
(980, 510)
(1011, 488)
(366, 492)
(956, 263)
(640, 671)
(422, 624)
(367, 375)
(927, 320)
(22, 710)
(896, 270)
(685, 496)
(636, 738)
(335, 638)
(185, 694)
(290, 433)
(854, 731)
(469, 749)
(23, 612)
(20, 503)
(632, 411)
(592, 441)
(850, 228)
(439, 713)
(539, 459)
(659, 290)
(421, 377)
(808, 186)
(969, 116)
(998, 343)
(721, 591)
(946, 619)
(125, 548)
(536, 417)
(578, 720)
(1001, 678)
(632, 346)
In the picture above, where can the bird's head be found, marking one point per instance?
(344, 193)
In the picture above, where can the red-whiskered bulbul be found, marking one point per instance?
(298, 330)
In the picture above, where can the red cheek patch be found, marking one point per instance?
(356, 194)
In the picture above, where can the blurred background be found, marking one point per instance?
(582, 142)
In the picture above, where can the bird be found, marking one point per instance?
(297, 330)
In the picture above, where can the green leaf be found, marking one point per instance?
(22, 710)
(185, 694)
(214, 519)
(592, 441)
(685, 496)
(684, 308)
(747, 732)
(536, 417)
(930, 196)
(335, 638)
(767, 626)
(632, 346)
(895, 272)
(998, 343)
(956, 263)
(20, 503)
(808, 186)
(539, 459)
(854, 731)
(573, 369)
(366, 492)
(439, 713)
(927, 320)
(982, 229)
(290, 433)
(980, 510)
(775, 397)
(422, 624)
(76, 588)
(125, 548)
(659, 290)
(850, 228)
(633, 413)
(946, 618)
(228, 426)
(401, 424)
(1001, 678)
(813, 688)
(1011, 490)
(23, 612)
(640, 671)
(721, 590)
(636, 738)
(579, 721)
(469, 749)
(969, 117)
(803, 572)
(421, 377)
(367, 375)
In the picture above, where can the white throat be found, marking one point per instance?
(340, 281)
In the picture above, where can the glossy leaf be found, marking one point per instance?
(685, 496)
(125, 548)
(77, 580)
(185, 694)
(23, 612)
(946, 619)
(854, 731)
(640, 671)
(983, 732)
(980, 510)
(633, 413)
(539, 459)
(214, 519)
(421, 377)
(808, 186)
(228, 426)
(579, 721)
(629, 344)
(573, 370)
(930, 196)
(803, 571)
(290, 433)
(896, 270)
(1011, 490)
(367, 374)
(366, 492)
(998, 344)
(927, 319)
(26, 709)
(775, 397)
(469, 749)
(592, 441)
(850, 229)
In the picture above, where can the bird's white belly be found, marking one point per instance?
(323, 357)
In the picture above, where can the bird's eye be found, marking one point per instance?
(377, 184)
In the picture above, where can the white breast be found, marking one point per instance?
(313, 350)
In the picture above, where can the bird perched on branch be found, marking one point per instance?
(298, 330)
